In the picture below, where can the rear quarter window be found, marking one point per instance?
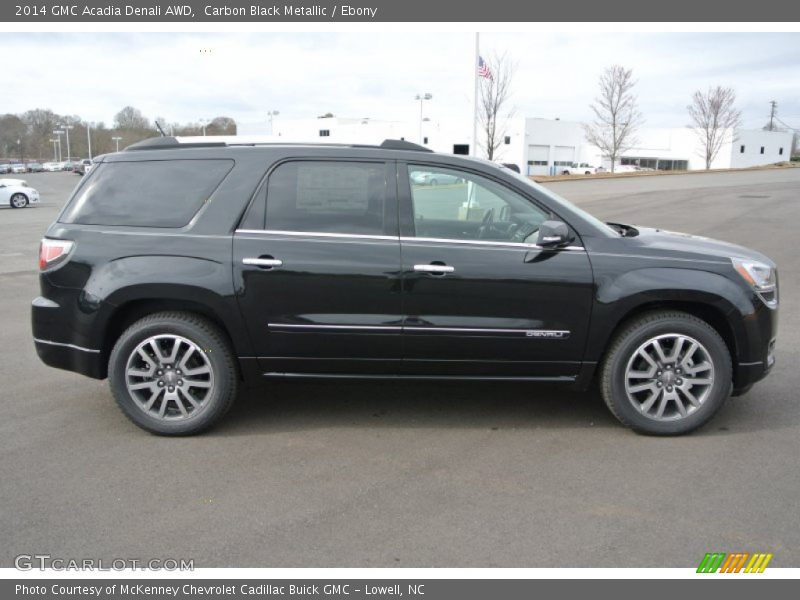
(151, 193)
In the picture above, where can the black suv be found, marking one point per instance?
(184, 270)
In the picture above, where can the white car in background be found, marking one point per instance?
(579, 169)
(52, 167)
(16, 193)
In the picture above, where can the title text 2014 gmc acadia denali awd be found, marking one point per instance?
(182, 269)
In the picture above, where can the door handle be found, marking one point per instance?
(434, 269)
(265, 262)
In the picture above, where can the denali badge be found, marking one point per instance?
(548, 333)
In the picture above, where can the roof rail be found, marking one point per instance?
(170, 142)
(166, 142)
(403, 145)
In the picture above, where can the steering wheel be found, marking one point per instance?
(486, 224)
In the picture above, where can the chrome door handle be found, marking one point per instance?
(262, 262)
(435, 269)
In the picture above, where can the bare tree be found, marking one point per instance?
(715, 119)
(131, 118)
(493, 109)
(616, 113)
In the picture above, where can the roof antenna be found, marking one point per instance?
(158, 126)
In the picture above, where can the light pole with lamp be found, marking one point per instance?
(117, 138)
(54, 142)
(422, 98)
(66, 129)
(270, 114)
(58, 132)
(203, 123)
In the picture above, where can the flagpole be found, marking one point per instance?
(475, 99)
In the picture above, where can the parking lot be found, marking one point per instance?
(411, 474)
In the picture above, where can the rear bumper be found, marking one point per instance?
(58, 345)
(85, 361)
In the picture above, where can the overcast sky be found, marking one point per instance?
(187, 76)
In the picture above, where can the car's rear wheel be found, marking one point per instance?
(173, 373)
(565, 172)
(666, 373)
(19, 200)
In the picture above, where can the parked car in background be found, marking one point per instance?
(5, 168)
(183, 270)
(19, 168)
(579, 169)
(51, 167)
(70, 165)
(83, 167)
(35, 167)
(17, 193)
(424, 178)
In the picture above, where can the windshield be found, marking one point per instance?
(564, 202)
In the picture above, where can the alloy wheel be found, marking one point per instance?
(169, 377)
(669, 377)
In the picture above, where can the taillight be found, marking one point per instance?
(50, 251)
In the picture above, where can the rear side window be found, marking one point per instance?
(328, 197)
(155, 193)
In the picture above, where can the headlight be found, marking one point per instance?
(762, 278)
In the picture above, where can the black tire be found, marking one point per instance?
(22, 200)
(565, 172)
(630, 338)
(216, 354)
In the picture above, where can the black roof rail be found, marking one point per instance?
(170, 142)
(403, 145)
(166, 142)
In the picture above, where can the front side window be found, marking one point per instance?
(450, 204)
(328, 197)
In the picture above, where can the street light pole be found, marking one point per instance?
(117, 139)
(422, 98)
(66, 129)
(89, 138)
(270, 114)
(58, 132)
(54, 141)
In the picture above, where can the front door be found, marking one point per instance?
(319, 283)
(480, 298)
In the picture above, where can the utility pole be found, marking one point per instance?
(773, 109)
(89, 138)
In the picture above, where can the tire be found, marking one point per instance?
(18, 200)
(177, 392)
(588, 173)
(565, 173)
(628, 380)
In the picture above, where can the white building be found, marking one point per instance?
(538, 146)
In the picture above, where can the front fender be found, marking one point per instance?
(619, 296)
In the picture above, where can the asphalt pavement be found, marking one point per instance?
(365, 474)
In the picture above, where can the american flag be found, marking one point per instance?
(484, 70)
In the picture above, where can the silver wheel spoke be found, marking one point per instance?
(660, 351)
(642, 387)
(197, 383)
(648, 404)
(693, 370)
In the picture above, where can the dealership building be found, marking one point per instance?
(539, 146)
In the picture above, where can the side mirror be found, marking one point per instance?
(552, 234)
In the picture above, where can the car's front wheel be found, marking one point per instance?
(666, 373)
(19, 200)
(173, 373)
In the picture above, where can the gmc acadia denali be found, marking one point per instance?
(182, 269)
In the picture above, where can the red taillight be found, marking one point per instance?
(51, 250)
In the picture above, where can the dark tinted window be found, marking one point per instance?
(158, 193)
(327, 196)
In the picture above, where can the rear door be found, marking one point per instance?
(480, 297)
(317, 268)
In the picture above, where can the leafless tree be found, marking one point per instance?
(493, 104)
(131, 118)
(616, 114)
(715, 119)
